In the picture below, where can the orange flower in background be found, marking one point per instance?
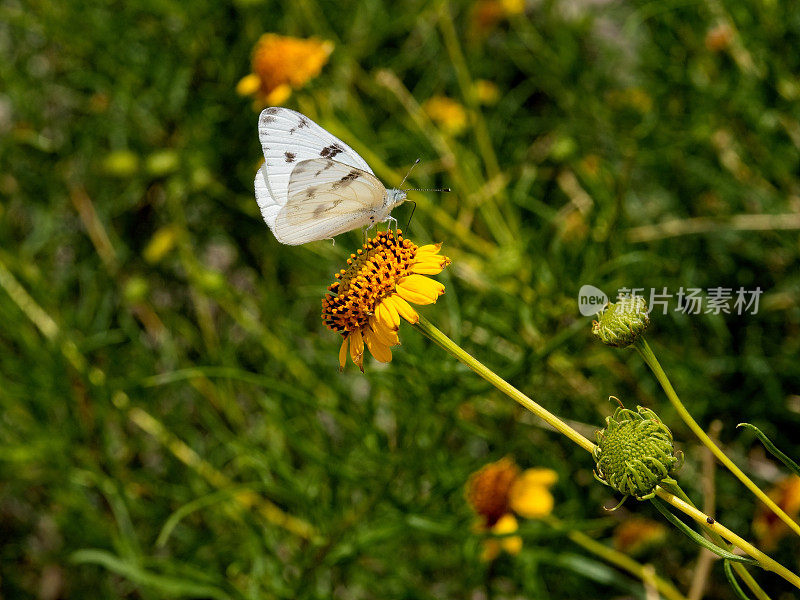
(446, 113)
(768, 528)
(486, 14)
(281, 64)
(719, 38)
(500, 490)
(374, 291)
(634, 535)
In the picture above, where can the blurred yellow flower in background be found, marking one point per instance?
(500, 489)
(448, 114)
(768, 528)
(280, 64)
(369, 297)
(485, 91)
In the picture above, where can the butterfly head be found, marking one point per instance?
(394, 197)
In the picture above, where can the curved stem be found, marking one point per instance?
(444, 342)
(647, 354)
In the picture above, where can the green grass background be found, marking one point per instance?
(140, 399)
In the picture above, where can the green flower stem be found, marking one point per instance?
(444, 342)
(715, 527)
(647, 354)
(618, 559)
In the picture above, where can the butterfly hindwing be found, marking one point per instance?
(326, 198)
(288, 138)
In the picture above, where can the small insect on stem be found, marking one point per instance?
(710, 520)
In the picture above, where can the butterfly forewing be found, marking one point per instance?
(288, 138)
(326, 198)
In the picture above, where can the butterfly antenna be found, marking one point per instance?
(416, 162)
(412, 213)
(428, 190)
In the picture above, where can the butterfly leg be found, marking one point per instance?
(390, 219)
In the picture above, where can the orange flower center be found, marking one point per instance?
(371, 275)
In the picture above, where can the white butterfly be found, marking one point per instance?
(312, 185)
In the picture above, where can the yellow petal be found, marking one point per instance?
(279, 95)
(343, 354)
(403, 308)
(530, 499)
(357, 348)
(414, 297)
(508, 524)
(539, 476)
(387, 315)
(428, 267)
(419, 289)
(380, 351)
(423, 285)
(512, 544)
(387, 336)
(249, 84)
(428, 249)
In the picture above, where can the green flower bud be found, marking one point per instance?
(635, 452)
(622, 323)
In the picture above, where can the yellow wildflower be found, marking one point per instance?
(446, 113)
(485, 91)
(370, 296)
(497, 491)
(769, 529)
(281, 64)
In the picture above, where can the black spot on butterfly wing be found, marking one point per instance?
(289, 156)
(273, 110)
(328, 165)
(346, 180)
(303, 122)
(331, 151)
(323, 208)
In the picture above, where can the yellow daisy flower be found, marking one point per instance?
(446, 113)
(500, 490)
(281, 64)
(369, 297)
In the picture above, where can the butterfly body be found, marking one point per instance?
(312, 185)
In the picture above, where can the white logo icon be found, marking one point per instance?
(591, 300)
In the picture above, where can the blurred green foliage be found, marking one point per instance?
(166, 380)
